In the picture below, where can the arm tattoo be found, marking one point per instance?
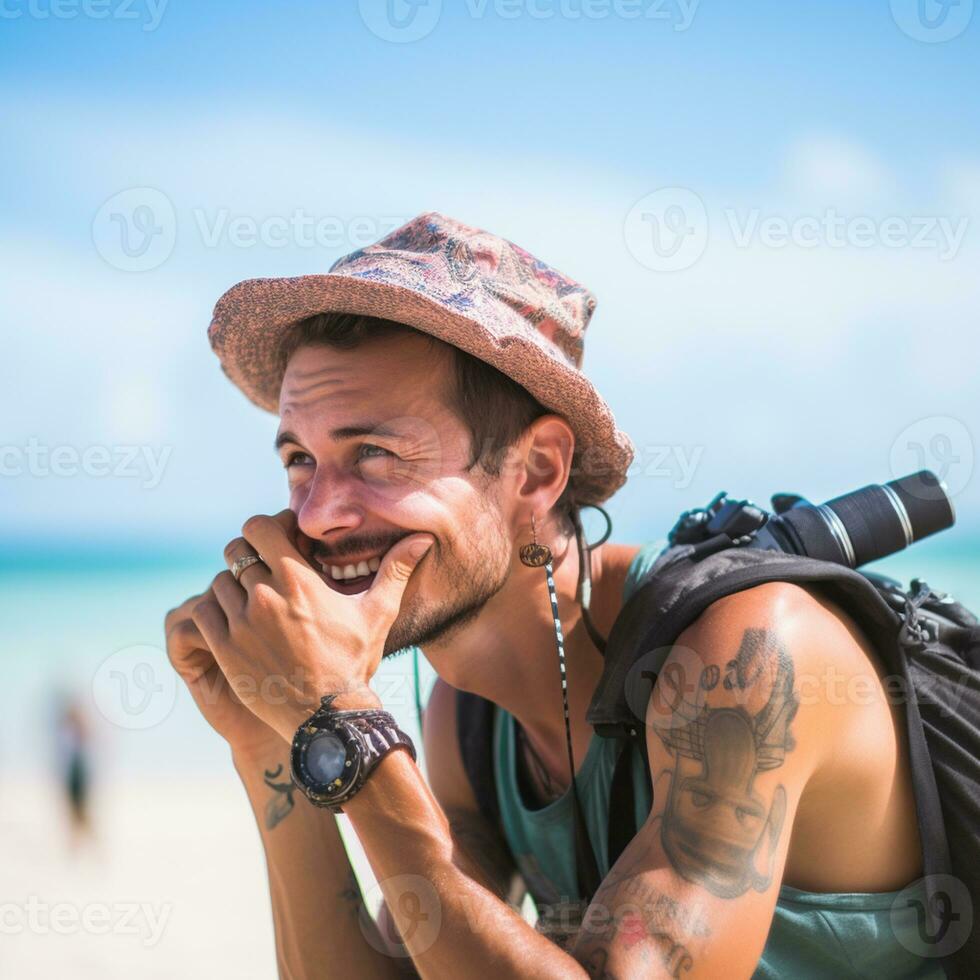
(280, 806)
(484, 848)
(351, 893)
(717, 829)
(630, 911)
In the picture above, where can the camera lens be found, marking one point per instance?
(866, 524)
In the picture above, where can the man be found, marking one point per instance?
(434, 423)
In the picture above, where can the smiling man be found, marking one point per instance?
(439, 438)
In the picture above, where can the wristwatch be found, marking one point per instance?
(335, 751)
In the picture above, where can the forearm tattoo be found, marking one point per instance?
(281, 804)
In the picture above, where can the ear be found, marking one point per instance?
(546, 461)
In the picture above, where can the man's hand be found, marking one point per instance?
(283, 633)
(222, 708)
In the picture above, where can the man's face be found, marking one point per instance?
(373, 453)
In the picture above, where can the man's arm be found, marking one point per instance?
(322, 925)
(731, 752)
(694, 892)
(451, 787)
(317, 909)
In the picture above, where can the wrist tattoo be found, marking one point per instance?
(281, 804)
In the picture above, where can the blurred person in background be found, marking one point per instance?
(74, 758)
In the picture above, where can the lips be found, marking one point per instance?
(349, 586)
(351, 576)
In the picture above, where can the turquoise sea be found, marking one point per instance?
(91, 624)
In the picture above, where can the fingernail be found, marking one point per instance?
(418, 548)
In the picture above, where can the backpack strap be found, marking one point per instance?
(474, 730)
(622, 823)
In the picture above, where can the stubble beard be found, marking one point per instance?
(471, 571)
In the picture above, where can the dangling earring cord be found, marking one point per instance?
(536, 555)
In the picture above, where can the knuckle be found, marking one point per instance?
(178, 613)
(262, 597)
(254, 523)
(233, 548)
(183, 638)
(203, 609)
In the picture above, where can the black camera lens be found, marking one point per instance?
(864, 525)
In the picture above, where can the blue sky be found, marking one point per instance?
(820, 335)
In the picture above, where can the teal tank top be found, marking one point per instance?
(813, 934)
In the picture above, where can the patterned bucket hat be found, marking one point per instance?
(465, 287)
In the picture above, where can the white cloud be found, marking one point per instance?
(830, 167)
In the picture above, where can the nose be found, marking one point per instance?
(328, 504)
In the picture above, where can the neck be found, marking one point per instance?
(508, 653)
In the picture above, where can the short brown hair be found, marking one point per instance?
(494, 408)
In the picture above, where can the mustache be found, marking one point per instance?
(355, 545)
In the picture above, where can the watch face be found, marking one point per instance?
(326, 758)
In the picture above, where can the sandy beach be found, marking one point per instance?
(174, 884)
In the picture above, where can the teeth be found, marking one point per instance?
(344, 572)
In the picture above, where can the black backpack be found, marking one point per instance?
(930, 646)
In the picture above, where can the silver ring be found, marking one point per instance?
(240, 564)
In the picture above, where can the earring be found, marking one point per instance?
(535, 555)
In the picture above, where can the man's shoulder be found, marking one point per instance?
(807, 622)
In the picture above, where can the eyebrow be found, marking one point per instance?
(339, 435)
